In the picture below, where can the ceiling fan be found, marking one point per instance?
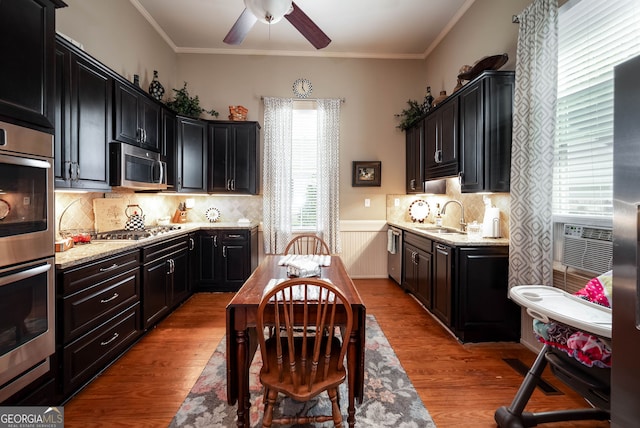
(270, 12)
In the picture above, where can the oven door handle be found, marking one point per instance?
(19, 276)
(15, 160)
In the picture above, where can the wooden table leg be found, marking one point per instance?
(243, 379)
(352, 361)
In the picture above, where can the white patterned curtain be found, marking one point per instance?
(278, 113)
(329, 170)
(534, 116)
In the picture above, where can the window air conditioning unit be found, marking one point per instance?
(587, 248)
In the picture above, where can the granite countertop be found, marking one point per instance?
(83, 253)
(456, 239)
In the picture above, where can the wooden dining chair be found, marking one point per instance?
(303, 355)
(307, 243)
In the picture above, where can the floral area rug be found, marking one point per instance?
(390, 399)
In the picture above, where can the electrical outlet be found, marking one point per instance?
(367, 203)
(396, 202)
(26, 200)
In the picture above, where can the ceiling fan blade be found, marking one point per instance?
(307, 27)
(241, 28)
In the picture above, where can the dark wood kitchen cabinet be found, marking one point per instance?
(165, 278)
(169, 150)
(192, 155)
(83, 103)
(417, 261)
(137, 117)
(233, 157)
(486, 115)
(415, 158)
(468, 287)
(441, 140)
(27, 43)
(443, 274)
(227, 258)
(98, 306)
(483, 310)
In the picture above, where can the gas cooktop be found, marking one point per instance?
(134, 235)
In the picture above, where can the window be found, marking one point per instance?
(304, 166)
(593, 37)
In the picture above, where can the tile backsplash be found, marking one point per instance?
(472, 202)
(74, 211)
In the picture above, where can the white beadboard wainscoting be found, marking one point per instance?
(364, 248)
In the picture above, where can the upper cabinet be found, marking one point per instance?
(441, 140)
(486, 111)
(137, 117)
(233, 157)
(415, 158)
(83, 121)
(27, 43)
(192, 155)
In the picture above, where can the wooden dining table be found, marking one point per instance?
(242, 339)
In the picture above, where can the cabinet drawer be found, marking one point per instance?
(89, 274)
(421, 242)
(234, 235)
(92, 306)
(85, 357)
(163, 249)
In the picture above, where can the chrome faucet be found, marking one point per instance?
(463, 224)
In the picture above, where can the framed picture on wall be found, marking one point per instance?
(366, 173)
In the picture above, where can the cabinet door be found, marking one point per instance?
(500, 91)
(208, 271)
(441, 141)
(235, 265)
(221, 137)
(245, 174)
(170, 147)
(180, 289)
(415, 158)
(155, 295)
(423, 273)
(484, 311)
(410, 276)
(150, 122)
(91, 102)
(442, 282)
(472, 139)
(126, 111)
(192, 145)
(62, 162)
(27, 37)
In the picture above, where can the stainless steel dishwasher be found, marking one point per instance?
(394, 253)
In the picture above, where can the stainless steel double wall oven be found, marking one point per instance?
(27, 265)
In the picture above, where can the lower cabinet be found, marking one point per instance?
(99, 303)
(165, 278)
(418, 259)
(466, 288)
(227, 258)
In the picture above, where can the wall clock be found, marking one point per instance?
(302, 88)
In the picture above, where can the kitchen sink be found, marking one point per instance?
(441, 230)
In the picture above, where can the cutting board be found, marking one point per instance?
(109, 214)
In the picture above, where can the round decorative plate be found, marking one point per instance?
(212, 214)
(5, 208)
(418, 210)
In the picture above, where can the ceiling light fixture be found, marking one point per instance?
(269, 11)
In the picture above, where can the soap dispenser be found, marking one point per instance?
(491, 223)
(438, 216)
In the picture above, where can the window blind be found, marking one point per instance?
(304, 167)
(593, 37)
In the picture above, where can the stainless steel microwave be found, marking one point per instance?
(136, 168)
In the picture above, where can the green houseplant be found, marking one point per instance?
(184, 104)
(411, 114)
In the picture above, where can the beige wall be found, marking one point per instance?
(116, 34)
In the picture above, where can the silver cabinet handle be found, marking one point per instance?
(107, 269)
(115, 296)
(224, 251)
(192, 244)
(77, 171)
(106, 342)
(235, 236)
(215, 241)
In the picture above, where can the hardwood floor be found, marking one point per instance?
(461, 385)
